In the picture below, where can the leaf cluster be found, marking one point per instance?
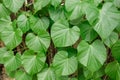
(60, 39)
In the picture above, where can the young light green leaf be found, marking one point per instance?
(21, 75)
(92, 55)
(113, 70)
(64, 64)
(46, 74)
(111, 39)
(23, 23)
(109, 17)
(39, 4)
(116, 50)
(32, 62)
(62, 35)
(38, 42)
(87, 32)
(11, 37)
(13, 5)
(37, 24)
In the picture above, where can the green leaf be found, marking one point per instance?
(91, 12)
(87, 32)
(109, 17)
(55, 3)
(21, 75)
(92, 55)
(64, 64)
(3, 52)
(33, 62)
(11, 37)
(75, 7)
(94, 75)
(13, 5)
(87, 73)
(11, 74)
(38, 42)
(46, 74)
(116, 50)
(111, 39)
(3, 11)
(23, 23)
(118, 28)
(37, 24)
(5, 23)
(117, 3)
(56, 14)
(62, 35)
(39, 4)
(98, 74)
(76, 21)
(113, 70)
(95, 2)
(12, 62)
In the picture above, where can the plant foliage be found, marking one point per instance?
(60, 39)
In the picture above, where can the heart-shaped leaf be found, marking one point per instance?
(12, 62)
(64, 64)
(39, 4)
(92, 55)
(13, 5)
(11, 37)
(38, 42)
(33, 62)
(37, 24)
(109, 16)
(75, 7)
(23, 23)
(62, 35)
(56, 14)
